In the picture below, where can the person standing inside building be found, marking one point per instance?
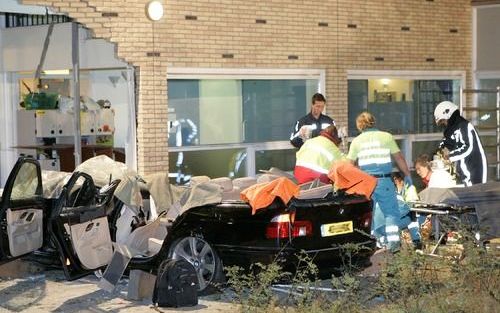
(374, 152)
(312, 124)
(462, 142)
(317, 155)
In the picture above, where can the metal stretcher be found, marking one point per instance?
(439, 210)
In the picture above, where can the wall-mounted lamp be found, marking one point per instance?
(154, 10)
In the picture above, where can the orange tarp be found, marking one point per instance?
(351, 179)
(261, 195)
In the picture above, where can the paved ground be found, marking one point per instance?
(24, 288)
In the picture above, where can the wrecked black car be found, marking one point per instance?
(95, 221)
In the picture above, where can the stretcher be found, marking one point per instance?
(476, 207)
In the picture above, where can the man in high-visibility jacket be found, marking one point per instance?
(374, 150)
(317, 155)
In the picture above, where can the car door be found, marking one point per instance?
(22, 210)
(79, 225)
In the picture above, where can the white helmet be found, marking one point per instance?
(444, 110)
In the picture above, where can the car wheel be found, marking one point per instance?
(205, 260)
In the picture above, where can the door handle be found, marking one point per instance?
(26, 218)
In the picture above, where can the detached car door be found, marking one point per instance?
(79, 225)
(22, 210)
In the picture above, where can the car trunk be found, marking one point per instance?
(334, 221)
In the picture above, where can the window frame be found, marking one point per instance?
(192, 73)
(408, 139)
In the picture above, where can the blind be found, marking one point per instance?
(488, 39)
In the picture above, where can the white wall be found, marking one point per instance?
(20, 51)
(15, 7)
(22, 47)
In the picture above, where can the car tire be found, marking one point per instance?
(205, 260)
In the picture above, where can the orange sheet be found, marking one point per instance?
(261, 195)
(351, 179)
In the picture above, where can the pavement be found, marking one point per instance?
(26, 287)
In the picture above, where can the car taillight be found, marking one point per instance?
(366, 220)
(284, 226)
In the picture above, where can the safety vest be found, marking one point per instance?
(318, 154)
(373, 149)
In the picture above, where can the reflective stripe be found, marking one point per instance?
(392, 229)
(363, 162)
(294, 136)
(458, 154)
(393, 238)
(466, 172)
(413, 225)
(379, 152)
(296, 133)
(312, 166)
(374, 156)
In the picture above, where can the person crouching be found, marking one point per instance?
(317, 155)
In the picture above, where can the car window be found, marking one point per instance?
(26, 182)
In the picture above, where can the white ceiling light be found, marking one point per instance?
(154, 10)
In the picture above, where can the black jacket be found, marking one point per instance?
(319, 124)
(466, 150)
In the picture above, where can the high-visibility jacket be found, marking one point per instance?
(318, 154)
(373, 149)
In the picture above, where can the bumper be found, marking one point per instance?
(245, 256)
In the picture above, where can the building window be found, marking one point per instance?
(235, 124)
(215, 111)
(400, 106)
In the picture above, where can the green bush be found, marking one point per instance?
(468, 281)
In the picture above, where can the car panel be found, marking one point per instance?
(21, 211)
(80, 226)
(240, 237)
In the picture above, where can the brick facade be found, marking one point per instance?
(335, 35)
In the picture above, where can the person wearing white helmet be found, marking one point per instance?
(462, 141)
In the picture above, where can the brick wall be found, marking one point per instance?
(336, 35)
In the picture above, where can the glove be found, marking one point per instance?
(408, 181)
